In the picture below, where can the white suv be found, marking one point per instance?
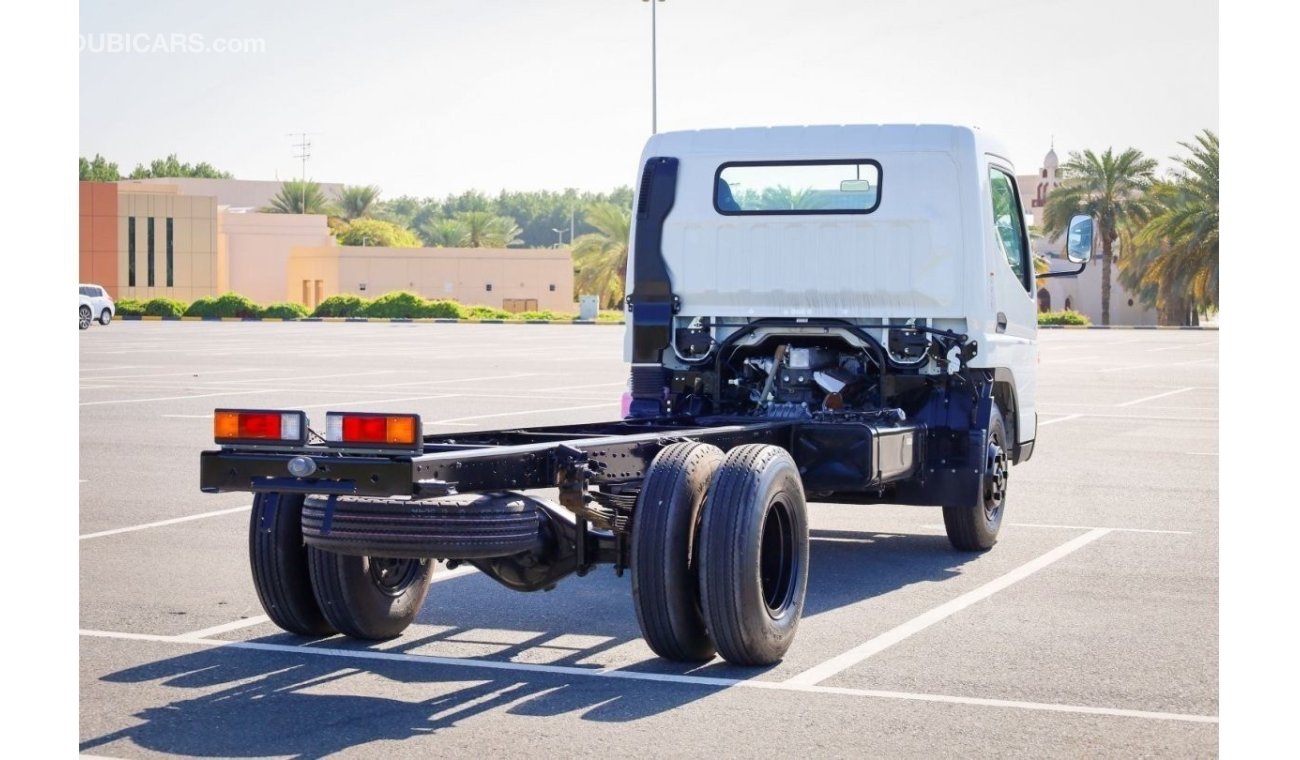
(100, 303)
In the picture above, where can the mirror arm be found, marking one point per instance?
(1075, 273)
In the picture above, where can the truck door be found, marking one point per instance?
(1012, 271)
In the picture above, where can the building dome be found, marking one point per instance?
(1050, 161)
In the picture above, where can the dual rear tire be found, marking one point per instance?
(720, 553)
(311, 592)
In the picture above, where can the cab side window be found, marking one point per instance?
(1010, 225)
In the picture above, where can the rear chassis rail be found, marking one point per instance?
(612, 454)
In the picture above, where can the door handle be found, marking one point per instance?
(1002, 322)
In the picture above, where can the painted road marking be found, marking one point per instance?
(174, 398)
(1086, 527)
(523, 412)
(235, 625)
(1175, 392)
(1066, 418)
(705, 681)
(867, 649)
(161, 523)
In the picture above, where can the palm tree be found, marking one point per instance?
(298, 197)
(1112, 189)
(483, 229)
(600, 258)
(358, 201)
(502, 232)
(1183, 233)
(782, 198)
(445, 233)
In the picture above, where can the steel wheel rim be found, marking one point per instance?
(393, 576)
(776, 559)
(995, 480)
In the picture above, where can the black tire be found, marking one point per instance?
(754, 555)
(665, 583)
(369, 598)
(83, 318)
(278, 560)
(105, 317)
(975, 528)
(464, 526)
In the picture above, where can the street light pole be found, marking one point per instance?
(654, 68)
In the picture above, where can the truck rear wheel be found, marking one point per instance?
(665, 585)
(278, 560)
(368, 597)
(975, 528)
(754, 554)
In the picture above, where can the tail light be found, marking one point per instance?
(259, 426)
(373, 431)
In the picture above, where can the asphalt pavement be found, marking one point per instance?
(1091, 629)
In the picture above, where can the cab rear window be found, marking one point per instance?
(837, 186)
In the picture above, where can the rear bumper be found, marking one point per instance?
(266, 471)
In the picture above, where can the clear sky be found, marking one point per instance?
(439, 96)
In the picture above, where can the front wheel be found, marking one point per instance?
(83, 318)
(105, 317)
(370, 598)
(975, 528)
(754, 554)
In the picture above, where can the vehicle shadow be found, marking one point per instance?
(248, 703)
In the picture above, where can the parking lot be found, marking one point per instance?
(1090, 629)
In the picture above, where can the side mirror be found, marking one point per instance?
(1079, 239)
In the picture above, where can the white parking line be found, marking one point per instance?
(835, 665)
(174, 398)
(161, 523)
(1135, 402)
(178, 374)
(669, 678)
(522, 413)
(1085, 527)
(235, 625)
(1066, 418)
(372, 401)
(1163, 364)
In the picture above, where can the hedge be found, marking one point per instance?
(284, 311)
(129, 307)
(164, 307)
(398, 304)
(346, 305)
(1063, 318)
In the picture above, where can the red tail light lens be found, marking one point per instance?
(259, 426)
(373, 430)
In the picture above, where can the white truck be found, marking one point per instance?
(841, 314)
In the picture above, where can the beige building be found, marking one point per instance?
(514, 279)
(146, 239)
(253, 252)
(1082, 293)
(251, 194)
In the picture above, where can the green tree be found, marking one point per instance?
(97, 169)
(298, 197)
(376, 232)
(783, 198)
(600, 258)
(171, 166)
(1113, 190)
(357, 202)
(483, 229)
(445, 233)
(1182, 235)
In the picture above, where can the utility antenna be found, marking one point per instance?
(304, 152)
